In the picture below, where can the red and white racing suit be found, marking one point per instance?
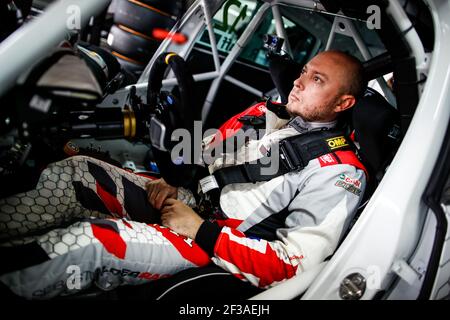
(268, 232)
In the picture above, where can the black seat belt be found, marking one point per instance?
(294, 154)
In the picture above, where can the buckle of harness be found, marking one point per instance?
(291, 159)
(252, 120)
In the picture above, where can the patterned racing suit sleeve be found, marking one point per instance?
(317, 216)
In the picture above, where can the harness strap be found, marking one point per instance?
(349, 157)
(294, 155)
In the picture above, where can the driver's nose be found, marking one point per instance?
(299, 84)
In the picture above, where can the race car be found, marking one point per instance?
(239, 52)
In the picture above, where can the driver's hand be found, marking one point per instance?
(180, 218)
(158, 191)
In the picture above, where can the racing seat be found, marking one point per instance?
(377, 132)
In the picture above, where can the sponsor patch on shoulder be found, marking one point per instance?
(327, 160)
(349, 184)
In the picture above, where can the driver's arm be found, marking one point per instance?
(302, 244)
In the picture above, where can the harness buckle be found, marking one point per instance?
(252, 120)
(291, 159)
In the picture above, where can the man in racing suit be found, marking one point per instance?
(269, 231)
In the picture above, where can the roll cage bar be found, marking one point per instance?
(17, 45)
(341, 25)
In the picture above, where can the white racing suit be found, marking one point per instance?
(268, 231)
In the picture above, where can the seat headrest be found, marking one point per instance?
(283, 71)
(376, 125)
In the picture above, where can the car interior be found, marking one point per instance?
(229, 65)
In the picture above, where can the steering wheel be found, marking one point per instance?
(170, 113)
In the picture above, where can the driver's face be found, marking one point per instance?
(317, 90)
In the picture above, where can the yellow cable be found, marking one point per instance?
(166, 60)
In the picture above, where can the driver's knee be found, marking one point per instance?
(34, 269)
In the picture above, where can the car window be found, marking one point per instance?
(229, 22)
(234, 16)
(302, 42)
(370, 38)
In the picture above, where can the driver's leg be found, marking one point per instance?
(107, 252)
(72, 188)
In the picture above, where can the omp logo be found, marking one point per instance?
(337, 142)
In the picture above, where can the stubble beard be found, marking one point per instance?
(321, 113)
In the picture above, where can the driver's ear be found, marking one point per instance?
(345, 102)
